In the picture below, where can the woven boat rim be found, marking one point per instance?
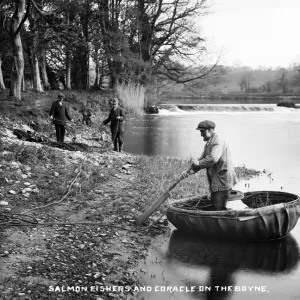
(236, 213)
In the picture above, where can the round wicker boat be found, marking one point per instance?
(268, 215)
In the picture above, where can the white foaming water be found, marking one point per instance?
(223, 108)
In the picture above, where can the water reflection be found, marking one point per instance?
(156, 135)
(224, 259)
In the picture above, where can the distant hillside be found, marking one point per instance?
(238, 80)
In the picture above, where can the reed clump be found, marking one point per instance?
(132, 97)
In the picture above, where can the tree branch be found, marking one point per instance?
(4, 26)
(158, 12)
(24, 19)
(36, 7)
(177, 77)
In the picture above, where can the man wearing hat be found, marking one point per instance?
(116, 118)
(216, 159)
(59, 114)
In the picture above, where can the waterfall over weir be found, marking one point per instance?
(228, 108)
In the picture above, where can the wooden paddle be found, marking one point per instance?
(156, 204)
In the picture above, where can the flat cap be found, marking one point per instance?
(61, 95)
(206, 124)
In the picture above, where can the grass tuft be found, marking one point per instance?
(159, 173)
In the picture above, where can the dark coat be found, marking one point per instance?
(116, 125)
(60, 113)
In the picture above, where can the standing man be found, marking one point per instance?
(216, 159)
(116, 118)
(59, 114)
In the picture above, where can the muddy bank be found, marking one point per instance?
(76, 213)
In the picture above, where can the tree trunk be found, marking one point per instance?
(44, 71)
(96, 83)
(23, 84)
(34, 43)
(101, 79)
(17, 68)
(107, 42)
(2, 85)
(68, 59)
(86, 67)
(88, 85)
(79, 68)
(18, 59)
(37, 86)
(68, 70)
(145, 31)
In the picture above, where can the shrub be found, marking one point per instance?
(287, 103)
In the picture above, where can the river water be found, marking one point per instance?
(262, 137)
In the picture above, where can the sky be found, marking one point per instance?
(253, 32)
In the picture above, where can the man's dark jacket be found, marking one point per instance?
(60, 113)
(116, 125)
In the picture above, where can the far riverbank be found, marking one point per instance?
(233, 98)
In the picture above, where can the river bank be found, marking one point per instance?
(67, 217)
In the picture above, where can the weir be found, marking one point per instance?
(189, 108)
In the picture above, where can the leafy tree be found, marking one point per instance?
(268, 86)
(283, 83)
(297, 69)
(245, 82)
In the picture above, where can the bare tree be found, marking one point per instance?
(167, 35)
(146, 38)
